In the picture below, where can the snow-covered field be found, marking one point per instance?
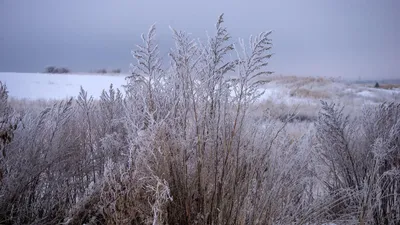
(57, 86)
(280, 90)
(308, 90)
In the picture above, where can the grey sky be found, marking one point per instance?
(347, 38)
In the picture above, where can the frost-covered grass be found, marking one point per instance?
(191, 145)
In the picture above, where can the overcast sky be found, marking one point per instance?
(348, 38)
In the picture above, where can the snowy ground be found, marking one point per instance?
(309, 91)
(283, 90)
(57, 86)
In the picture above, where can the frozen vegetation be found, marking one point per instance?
(206, 141)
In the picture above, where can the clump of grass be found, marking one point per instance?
(307, 93)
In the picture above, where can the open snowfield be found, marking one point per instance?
(57, 86)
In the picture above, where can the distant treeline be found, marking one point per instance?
(388, 81)
(59, 70)
(104, 71)
(53, 69)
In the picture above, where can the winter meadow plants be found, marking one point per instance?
(186, 145)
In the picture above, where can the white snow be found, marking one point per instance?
(367, 94)
(57, 86)
(373, 93)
